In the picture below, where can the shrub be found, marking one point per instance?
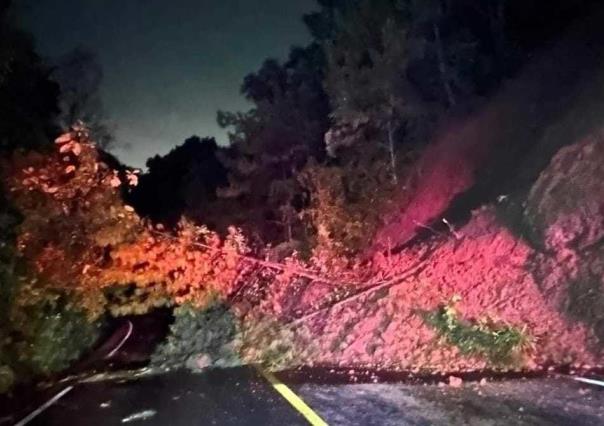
(214, 337)
(209, 335)
(52, 337)
(500, 344)
(42, 339)
(346, 202)
(336, 229)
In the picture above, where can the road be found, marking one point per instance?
(242, 397)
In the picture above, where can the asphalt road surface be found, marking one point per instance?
(242, 397)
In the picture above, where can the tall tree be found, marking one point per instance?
(180, 183)
(79, 75)
(366, 76)
(271, 142)
(28, 98)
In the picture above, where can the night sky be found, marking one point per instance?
(168, 65)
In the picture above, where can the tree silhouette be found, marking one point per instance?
(28, 98)
(182, 182)
(79, 75)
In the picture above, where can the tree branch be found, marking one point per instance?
(378, 286)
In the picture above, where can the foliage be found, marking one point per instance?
(394, 67)
(28, 98)
(271, 142)
(193, 266)
(290, 107)
(83, 252)
(41, 332)
(210, 332)
(501, 344)
(346, 200)
(9, 220)
(43, 338)
(78, 237)
(38, 335)
(51, 337)
(72, 214)
(367, 59)
(182, 183)
(337, 228)
(213, 336)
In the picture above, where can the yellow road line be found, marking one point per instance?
(296, 402)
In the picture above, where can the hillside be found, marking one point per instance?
(521, 181)
(502, 147)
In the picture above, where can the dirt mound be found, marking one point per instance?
(487, 267)
(565, 214)
(565, 207)
(553, 288)
(492, 272)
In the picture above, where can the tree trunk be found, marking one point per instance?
(442, 66)
(392, 152)
(289, 228)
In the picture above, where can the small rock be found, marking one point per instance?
(203, 361)
(483, 381)
(105, 404)
(455, 382)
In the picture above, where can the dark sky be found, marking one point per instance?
(169, 65)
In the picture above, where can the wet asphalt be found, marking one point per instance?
(222, 397)
(242, 397)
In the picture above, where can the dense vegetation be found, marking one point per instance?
(328, 147)
(334, 130)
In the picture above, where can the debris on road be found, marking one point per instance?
(455, 382)
(141, 415)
